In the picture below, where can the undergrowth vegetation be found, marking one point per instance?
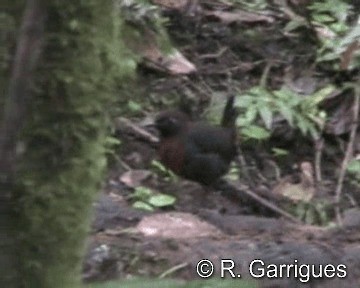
(328, 61)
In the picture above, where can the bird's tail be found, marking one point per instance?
(230, 113)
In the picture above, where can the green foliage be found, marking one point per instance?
(300, 112)
(147, 199)
(141, 16)
(170, 283)
(165, 173)
(330, 13)
(353, 169)
(134, 106)
(278, 152)
(315, 212)
(233, 173)
(111, 143)
(332, 18)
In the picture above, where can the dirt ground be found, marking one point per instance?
(207, 222)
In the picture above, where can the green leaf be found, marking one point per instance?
(247, 118)
(354, 166)
(319, 95)
(244, 101)
(280, 152)
(168, 174)
(255, 132)
(112, 141)
(286, 112)
(157, 165)
(294, 24)
(313, 131)
(142, 193)
(143, 206)
(134, 106)
(322, 18)
(310, 216)
(250, 114)
(162, 200)
(266, 115)
(302, 123)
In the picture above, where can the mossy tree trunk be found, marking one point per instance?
(56, 114)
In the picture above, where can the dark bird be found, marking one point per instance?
(194, 150)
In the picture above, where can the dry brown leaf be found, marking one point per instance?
(239, 16)
(134, 178)
(347, 55)
(174, 63)
(303, 191)
(172, 4)
(176, 225)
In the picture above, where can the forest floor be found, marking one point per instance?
(230, 55)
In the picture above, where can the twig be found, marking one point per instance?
(265, 74)
(241, 188)
(173, 269)
(123, 164)
(319, 146)
(122, 123)
(348, 154)
(241, 162)
(351, 200)
(214, 55)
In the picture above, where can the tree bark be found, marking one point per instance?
(65, 71)
(25, 62)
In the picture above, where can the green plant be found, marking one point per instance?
(146, 199)
(315, 212)
(140, 16)
(262, 104)
(165, 173)
(335, 33)
(233, 173)
(278, 152)
(134, 106)
(354, 171)
(111, 143)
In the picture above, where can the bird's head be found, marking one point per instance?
(170, 123)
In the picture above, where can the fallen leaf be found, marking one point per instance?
(303, 191)
(228, 17)
(134, 178)
(176, 225)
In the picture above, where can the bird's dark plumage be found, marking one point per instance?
(197, 151)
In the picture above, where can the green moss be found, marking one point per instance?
(64, 159)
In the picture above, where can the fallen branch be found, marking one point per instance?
(241, 188)
(125, 124)
(172, 270)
